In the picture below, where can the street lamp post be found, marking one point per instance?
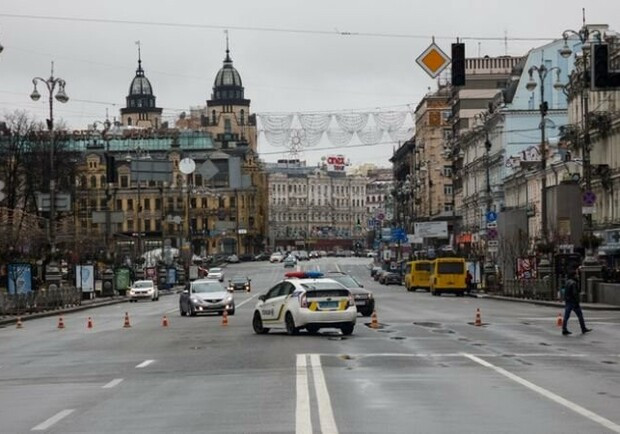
(542, 71)
(583, 35)
(57, 85)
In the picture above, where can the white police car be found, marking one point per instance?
(305, 300)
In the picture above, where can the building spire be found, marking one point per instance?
(227, 48)
(139, 57)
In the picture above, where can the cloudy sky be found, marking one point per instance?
(294, 56)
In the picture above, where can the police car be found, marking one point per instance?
(305, 300)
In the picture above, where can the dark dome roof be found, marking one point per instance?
(227, 75)
(140, 85)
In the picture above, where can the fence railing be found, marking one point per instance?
(535, 289)
(39, 301)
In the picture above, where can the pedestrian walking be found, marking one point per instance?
(469, 281)
(571, 300)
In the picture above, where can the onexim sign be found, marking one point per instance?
(336, 163)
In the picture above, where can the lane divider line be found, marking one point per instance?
(548, 394)
(303, 421)
(53, 420)
(112, 383)
(144, 364)
(326, 415)
(247, 300)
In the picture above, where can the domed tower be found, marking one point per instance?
(141, 110)
(228, 116)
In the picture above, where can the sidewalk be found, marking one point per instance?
(560, 304)
(85, 304)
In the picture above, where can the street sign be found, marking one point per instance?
(380, 216)
(588, 198)
(433, 60)
(208, 170)
(493, 249)
(431, 229)
(491, 234)
(491, 216)
(588, 210)
(492, 243)
(492, 225)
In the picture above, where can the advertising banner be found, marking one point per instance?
(431, 230)
(19, 278)
(85, 277)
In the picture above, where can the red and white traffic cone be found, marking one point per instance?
(478, 320)
(89, 323)
(225, 318)
(61, 323)
(127, 324)
(374, 321)
(164, 321)
(559, 321)
(19, 324)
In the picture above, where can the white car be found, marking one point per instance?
(216, 273)
(143, 289)
(304, 300)
(276, 257)
(203, 296)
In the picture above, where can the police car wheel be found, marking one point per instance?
(347, 329)
(290, 324)
(257, 325)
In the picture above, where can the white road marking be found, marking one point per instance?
(245, 301)
(431, 355)
(548, 394)
(145, 364)
(303, 421)
(112, 383)
(52, 420)
(326, 415)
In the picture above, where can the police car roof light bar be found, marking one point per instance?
(304, 274)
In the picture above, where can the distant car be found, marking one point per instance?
(322, 253)
(371, 254)
(239, 283)
(374, 271)
(389, 277)
(290, 261)
(303, 255)
(216, 274)
(313, 254)
(233, 259)
(247, 257)
(204, 295)
(378, 274)
(305, 302)
(364, 300)
(143, 290)
(276, 257)
(261, 257)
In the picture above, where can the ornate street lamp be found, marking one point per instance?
(57, 85)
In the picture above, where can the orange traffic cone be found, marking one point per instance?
(478, 321)
(89, 323)
(61, 323)
(374, 322)
(164, 321)
(559, 322)
(127, 324)
(19, 323)
(225, 318)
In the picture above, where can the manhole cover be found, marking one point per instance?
(544, 344)
(398, 338)
(427, 324)
(609, 362)
(386, 331)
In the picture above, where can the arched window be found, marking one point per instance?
(213, 117)
(129, 122)
(242, 117)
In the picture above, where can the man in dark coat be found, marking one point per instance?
(571, 299)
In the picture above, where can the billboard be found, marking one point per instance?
(85, 277)
(431, 230)
(336, 163)
(19, 278)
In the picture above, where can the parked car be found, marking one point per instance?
(261, 257)
(143, 290)
(364, 300)
(239, 283)
(290, 261)
(389, 277)
(314, 254)
(204, 295)
(232, 259)
(216, 274)
(247, 257)
(374, 271)
(303, 255)
(276, 257)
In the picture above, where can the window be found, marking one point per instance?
(93, 182)
(129, 121)
(213, 117)
(147, 225)
(227, 126)
(447, 207)
(130, 204)
(124, 181)
(447, 189)
(157, 204)
(147, 204)
(242, 117)
(447, 171)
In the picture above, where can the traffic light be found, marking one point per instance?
(458, 64)
(601, 76)
(110, 168)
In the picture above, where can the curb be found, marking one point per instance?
(588, 306)
(46, 314)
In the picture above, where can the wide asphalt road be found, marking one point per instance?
(427, 370)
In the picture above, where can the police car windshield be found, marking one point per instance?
(206, 287)
(346, 281)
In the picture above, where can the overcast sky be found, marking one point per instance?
(283, 69)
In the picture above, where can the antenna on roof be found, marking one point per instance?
(583, 13)
(227, 48)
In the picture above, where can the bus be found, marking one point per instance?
(448, 275)
(418, 275)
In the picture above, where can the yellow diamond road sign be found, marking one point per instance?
(433, 60)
